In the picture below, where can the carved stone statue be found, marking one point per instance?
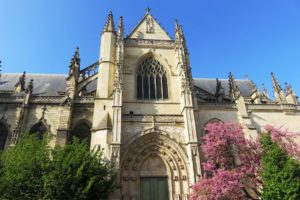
(20, 85)
(149, 25)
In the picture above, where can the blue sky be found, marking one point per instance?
(246, 37)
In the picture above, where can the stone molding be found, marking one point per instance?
(203, 105)
(167, 44)
(153, 118)
(45, 99)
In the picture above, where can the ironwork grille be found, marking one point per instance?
(151, 81)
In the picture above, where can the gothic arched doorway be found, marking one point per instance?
(152, 162)
(83, 132)
(153, 179)
(3, 135)
(40, 129)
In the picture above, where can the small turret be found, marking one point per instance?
(107, 59)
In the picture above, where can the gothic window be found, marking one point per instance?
(83, 132)
(40, 129)
(151, 80)
(3, 135)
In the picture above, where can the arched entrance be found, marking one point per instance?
(153, 179)
(154, 160)
(3, 135)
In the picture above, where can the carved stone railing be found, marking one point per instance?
(85, 99)
(150, 43)
(47, 99)
(283, 107)
(263, 107)
(153, 118)
(88, 72)
(12, 99)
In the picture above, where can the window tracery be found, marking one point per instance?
(151, 80)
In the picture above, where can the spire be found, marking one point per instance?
(121, 28)
(265, 91)
(278, 92)
(75, 59)
(74, 66)
(276, 86)
(109, 25)
(233, 87)
(178, 31)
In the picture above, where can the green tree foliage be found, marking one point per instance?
(280, 172)
(23, 168)
(29, 171)
(76, 173)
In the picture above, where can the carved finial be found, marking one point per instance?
(109, 25)
(265, 91)
(233, 88)
(288, 89)
(20, 85)
(29, 88)
(220, 91)
(148, 9)
(276, 86)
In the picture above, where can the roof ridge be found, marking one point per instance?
(39, 74)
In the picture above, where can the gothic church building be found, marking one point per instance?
(141, 105)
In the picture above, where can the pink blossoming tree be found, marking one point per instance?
(232, 167)
(232, 164)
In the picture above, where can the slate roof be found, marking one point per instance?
(209, 85)
(51, 84)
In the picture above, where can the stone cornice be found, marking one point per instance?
(273, 107)
(231, 106)
(167, 44)
(153, 118)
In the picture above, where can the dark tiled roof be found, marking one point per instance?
(209, 85)
(51, 84)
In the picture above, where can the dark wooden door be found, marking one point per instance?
(154, 188)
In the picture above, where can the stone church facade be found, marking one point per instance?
(141, 105)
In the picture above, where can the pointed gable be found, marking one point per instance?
(149, 29)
